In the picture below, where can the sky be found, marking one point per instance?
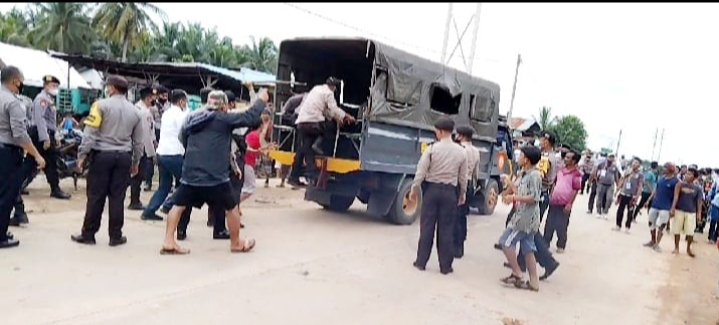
(630, 67)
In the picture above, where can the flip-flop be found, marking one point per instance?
(511, 279)
(248, 246)
(174, 251)
(525, 285)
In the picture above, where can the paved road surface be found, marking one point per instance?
(311, 266)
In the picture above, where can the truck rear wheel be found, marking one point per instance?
(339, 203)
(487, 201)
(404, 211)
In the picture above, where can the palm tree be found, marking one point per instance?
(62, 26)
(122, 22)
(262, 55)
(13, 28)
(546, 120)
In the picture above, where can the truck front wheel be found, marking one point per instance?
(403, 210)
(487, 201)
(339, 203)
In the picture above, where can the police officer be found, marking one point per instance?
(464, 137)
(147, 100)
(442, 175)
(13, 140)
(43, 133)
(19, 215)
(112, 147)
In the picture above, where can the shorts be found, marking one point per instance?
(250, 179)
(684, 223)
(196, 196)
(511, 237)
(658, 218)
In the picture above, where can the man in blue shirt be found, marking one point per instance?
(662, 198)
(650, 182)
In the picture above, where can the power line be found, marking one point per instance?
(374, 35)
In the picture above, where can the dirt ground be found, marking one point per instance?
(312, 266)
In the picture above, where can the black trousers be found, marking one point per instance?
(585, 179)
(592, 196)
(460, 225)
(642, 202)
(11, 177)
(439, 211)
(308, 133)
(625, 204)
(107, 179)
(557, 221)
(50, 156)
(136, 181)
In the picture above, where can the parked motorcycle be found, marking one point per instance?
(67, 149)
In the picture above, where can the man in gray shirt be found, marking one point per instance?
(13, 141)
(112, 147)
(606, 174)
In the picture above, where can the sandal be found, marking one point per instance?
(525, 285)
(248, 246)
(511, 279)
(174, 251)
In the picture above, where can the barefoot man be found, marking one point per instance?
(686, 209)
(207, 133)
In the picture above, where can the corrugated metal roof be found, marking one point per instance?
(35, 64)
(244, 75)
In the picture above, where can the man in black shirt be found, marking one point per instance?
(207, 133)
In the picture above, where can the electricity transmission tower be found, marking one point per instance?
(451, 23)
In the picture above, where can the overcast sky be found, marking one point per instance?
(634, 67)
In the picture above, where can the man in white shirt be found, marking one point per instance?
(147, 100)
(318, 103)
(170, 152)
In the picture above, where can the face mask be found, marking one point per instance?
(152, 102)
(53, 92)
(107, 92)
(162, 100)
(537, 143)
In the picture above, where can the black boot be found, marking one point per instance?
(59, 194)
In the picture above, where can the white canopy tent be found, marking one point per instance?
(36, 64)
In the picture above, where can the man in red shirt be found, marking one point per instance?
(254, 148)
(567, 184)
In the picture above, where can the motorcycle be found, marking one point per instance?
(67, 150)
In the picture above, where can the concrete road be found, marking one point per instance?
(316, 267)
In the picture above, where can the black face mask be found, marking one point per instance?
(152, 102)
(162, 100)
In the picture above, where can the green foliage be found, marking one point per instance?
(125, 31)
(570, 128)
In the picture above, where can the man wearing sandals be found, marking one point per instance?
(686, 209)
(524, 225)
(661, 202)
(207, 133)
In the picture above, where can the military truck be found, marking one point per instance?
(395, 97)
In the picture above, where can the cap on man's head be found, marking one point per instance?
(50, 79)
(230, 96)
(444, 124)
(465, 131)
(216, 98)
(332, 81)
(116, 81)
(147, 91)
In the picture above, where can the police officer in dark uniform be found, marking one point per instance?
(43, 133)
(112, 147)
(13, 141)
(442, 176)
(19, 214)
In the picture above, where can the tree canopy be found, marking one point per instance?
(569, 128)
(126, 31)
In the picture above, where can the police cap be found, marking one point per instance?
(116, 81)
(465, 131)
(147, 91)
(230, 96)
(50, 79)
(444, 124)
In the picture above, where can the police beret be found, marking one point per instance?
(465, 131)
(444, 124)
(50, 78)
(147, 91)
(117, 81)
(230, 96)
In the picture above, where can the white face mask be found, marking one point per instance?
(53, 91)
(107, 92)
(537, 143)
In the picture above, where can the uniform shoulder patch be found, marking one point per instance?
(43, 103)
(94, 119)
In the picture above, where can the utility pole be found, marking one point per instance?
(616, 152)
(475, 30)
(514, 89)
(446, 32)
(654, 146)
(661, 141)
